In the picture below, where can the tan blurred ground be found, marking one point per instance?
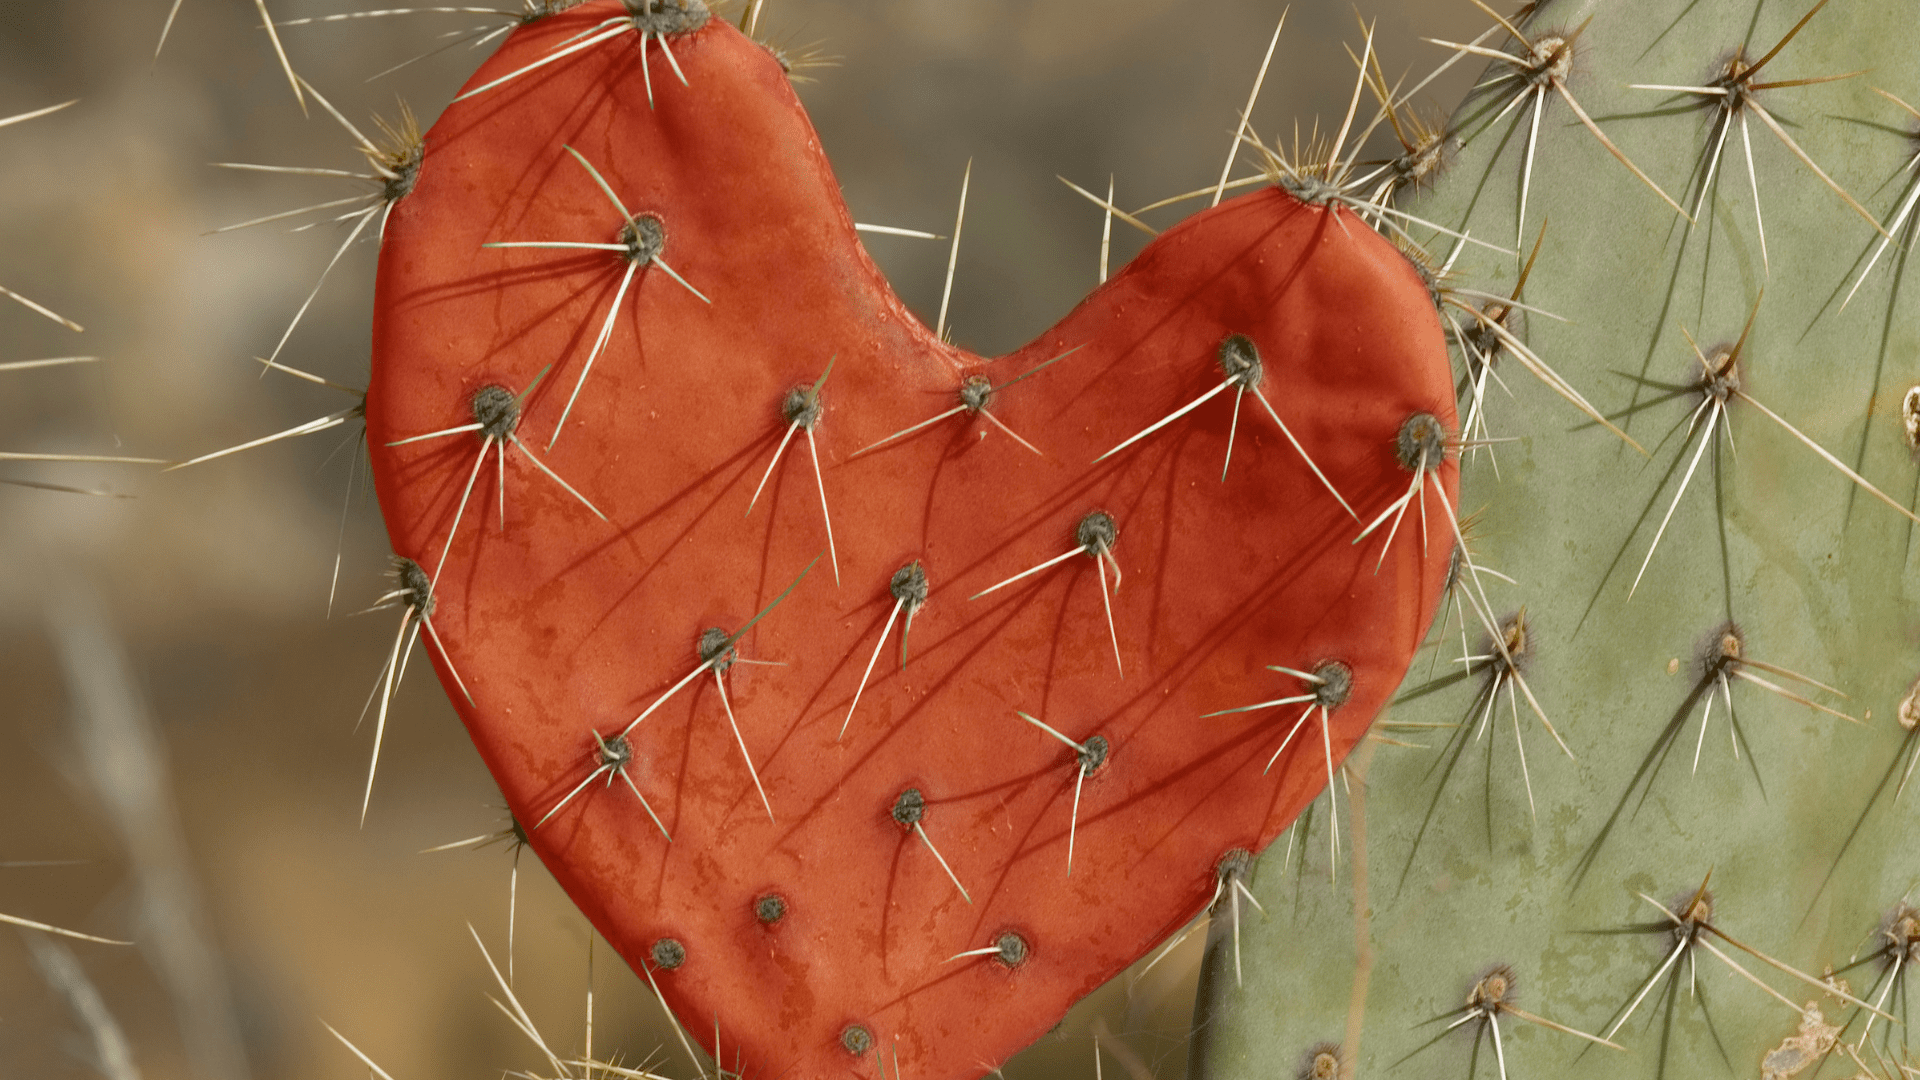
(217, 577)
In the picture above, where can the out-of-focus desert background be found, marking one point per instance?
(177, 709)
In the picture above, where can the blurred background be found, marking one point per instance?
(178, 744)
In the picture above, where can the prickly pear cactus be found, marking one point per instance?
(1721, 628)
(795, 636)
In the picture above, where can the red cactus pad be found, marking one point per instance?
(821, 924)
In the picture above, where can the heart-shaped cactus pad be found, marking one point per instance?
(865, 694)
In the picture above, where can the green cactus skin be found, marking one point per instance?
(1807, 846)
